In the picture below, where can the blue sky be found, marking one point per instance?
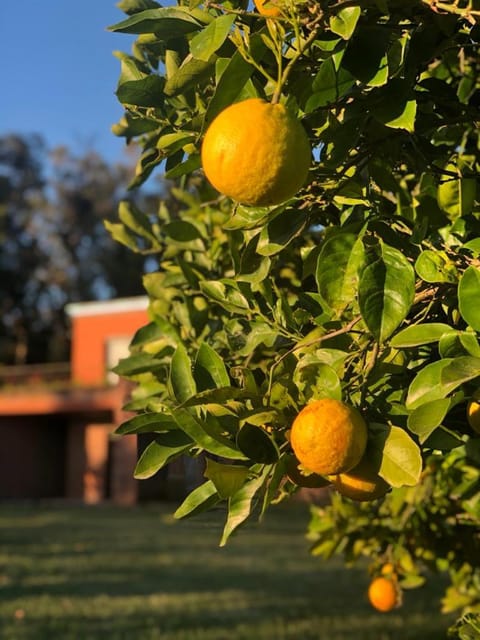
(59, 73)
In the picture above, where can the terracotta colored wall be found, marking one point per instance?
(89, 341)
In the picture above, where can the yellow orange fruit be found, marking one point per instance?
(268, 8)
(473, 415)
(383, 594)
(256, 152)
(328, 437)
(362, 483)
(388, 569)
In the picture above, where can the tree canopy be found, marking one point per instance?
(362, 288)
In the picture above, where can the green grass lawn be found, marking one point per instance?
(105, 573)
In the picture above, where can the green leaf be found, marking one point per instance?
(386, 291)
(240, 504)
(182, 231)
(189, 166)
(473, 246)
(329, 85)
(160, 452)
(253, 267)
(339, 263)
(427, 417)
(396, 107)
(204, 44)
(227, 478)
(256, 444)
(181, 378)
(469, 297)
(260, 333)
(420, 334)
(227, 295)
(443, 439)
(200, 499)
(345, 21)
(137, 221)
(316, 379)
(147, 92)
(435, 266)
(137, 364)
(191, 73)
(122, 235)
(146, 423)
(165, 22)
(134, 6)
(173, 142)
(456, 196)
(129, 68)
(280, 231)
(366, 55)
(205, 437)
(233, 79)
(209, 369)
(401, 458)
(147, 335)
(218, 396)
(437, 379)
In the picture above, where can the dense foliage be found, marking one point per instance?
(365, 287)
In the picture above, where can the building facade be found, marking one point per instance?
(57, 422)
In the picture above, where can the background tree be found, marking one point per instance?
(363, 288)
(55, 248)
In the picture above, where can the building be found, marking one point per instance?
(57, 421)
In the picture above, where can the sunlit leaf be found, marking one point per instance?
(200, 499)
(427, 417)
(338, 268)
(204, 44)
(401, 460)
(469, 297)
(165, 21)
(227, 478)
(386, 291)
(241, 503)
(181, 378)
(437, 379)
(419, 334)
(344, 21)
(160, 452)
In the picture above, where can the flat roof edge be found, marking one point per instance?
(102, 307)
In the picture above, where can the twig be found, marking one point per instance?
(348, 327)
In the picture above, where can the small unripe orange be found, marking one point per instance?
(473, 415)
(268, 8)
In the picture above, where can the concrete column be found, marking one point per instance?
(95, 473)
(87, 460)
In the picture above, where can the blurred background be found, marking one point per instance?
(62, 172)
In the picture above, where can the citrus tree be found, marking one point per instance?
(292, 295)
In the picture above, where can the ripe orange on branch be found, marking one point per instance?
(362, 483)
(383, 594)
(268, 8)
(473, 415)
(328, 437)
(257, 153)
